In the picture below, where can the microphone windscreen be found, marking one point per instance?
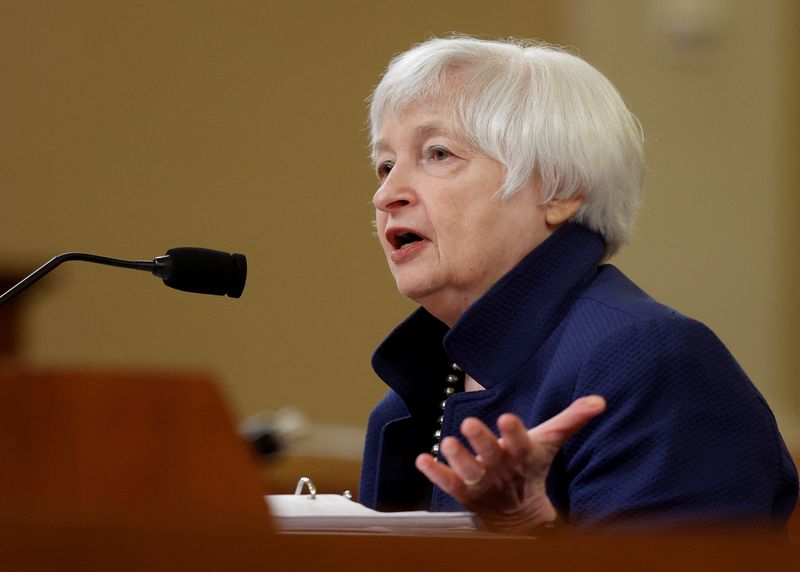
(206, 271)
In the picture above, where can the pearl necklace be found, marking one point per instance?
(453, 383)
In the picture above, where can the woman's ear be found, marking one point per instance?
(559, 211)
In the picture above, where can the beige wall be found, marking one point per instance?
(710, 81)
(130, 128)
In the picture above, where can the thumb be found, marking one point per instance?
(553, 432)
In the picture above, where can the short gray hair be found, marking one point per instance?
(543, 113)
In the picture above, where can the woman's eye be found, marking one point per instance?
(439, 153)
(383, 169)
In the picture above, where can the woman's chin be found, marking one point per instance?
(414, 288)
(416, 292)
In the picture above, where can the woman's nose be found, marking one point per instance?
(396, 191)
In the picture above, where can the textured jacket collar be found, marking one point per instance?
(501, 330)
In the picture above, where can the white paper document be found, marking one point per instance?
(336, 513)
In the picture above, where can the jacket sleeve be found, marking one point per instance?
(686, 438)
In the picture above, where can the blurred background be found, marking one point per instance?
(127, 128)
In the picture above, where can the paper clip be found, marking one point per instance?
(312, 489)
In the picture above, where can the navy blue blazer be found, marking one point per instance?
(686, 438)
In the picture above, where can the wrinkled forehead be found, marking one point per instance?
(395, 96)
(422, 121)
(432, 116)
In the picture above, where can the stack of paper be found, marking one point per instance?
(336, 513)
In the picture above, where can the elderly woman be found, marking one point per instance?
(508, 174)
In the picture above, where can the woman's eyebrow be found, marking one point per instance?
(433, 128)
(427, 129)
(379, 145)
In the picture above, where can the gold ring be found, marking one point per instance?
(476, 480)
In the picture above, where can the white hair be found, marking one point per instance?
(543, 113)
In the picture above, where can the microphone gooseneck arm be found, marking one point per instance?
(191, 269)
(150, 266)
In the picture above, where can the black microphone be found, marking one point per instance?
(190, 269)
(203, 271)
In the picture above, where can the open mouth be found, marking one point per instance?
(403, 238)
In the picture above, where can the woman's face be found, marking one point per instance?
(446, 233)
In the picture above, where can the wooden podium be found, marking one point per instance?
(120, 470)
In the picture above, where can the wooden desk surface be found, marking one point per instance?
(86, 548)
(145, 472)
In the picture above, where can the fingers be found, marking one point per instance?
(439, 474)
(553, 432)
(465, 470)
(482, 441)
(468, 468)
(514, 436)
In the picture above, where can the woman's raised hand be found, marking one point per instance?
(504, 482)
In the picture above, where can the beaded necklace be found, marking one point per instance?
(453, 383)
